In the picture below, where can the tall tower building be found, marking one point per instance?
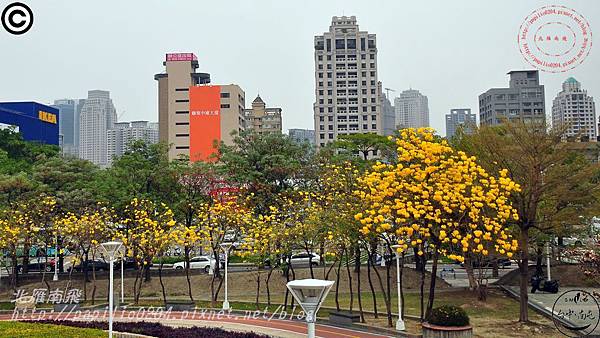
(412, 109)
(575, 110)
(262, 119)
(68, 124)
(388, 115)
(347, 99)
(193, 115)
(460, 117)
(523, 100)
(302, 136)
(124, 133)
(98, 115)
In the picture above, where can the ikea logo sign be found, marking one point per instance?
(47, 117)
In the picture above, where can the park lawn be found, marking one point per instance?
(33, 330)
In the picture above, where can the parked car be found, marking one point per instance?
(98, 265)
(198, 262)
(37, 266)
(488, 263)
(305, 259)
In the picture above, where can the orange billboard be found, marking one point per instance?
(205, 121)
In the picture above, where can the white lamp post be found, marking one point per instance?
(548, 259)
(55, 277)
(399, 323)
(122, 288)
(111, 249)
(226, 246)
(310, 293)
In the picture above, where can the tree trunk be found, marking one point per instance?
(357, 259)
(93, 284)
(524, 272)
(358, 292)
(539, 254)
(386, 297)
(312, 272)
(495, 272)
(337, 286)
(268, 289)
(257, 289)
(14, 280)
(421, 293)
(187, 272)
(369, 263)
(432, 283)
(162, 285)
(470, 273)
(351, 305)
(389, 291)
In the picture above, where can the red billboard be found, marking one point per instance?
(205, 121)
(181, 57)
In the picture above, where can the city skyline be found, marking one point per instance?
(433, 64)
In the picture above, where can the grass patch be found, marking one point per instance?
(34, 330)
(7, 306)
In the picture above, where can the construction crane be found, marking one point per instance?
(387, 92)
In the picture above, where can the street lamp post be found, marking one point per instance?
(548, 259)
(310, 293)
(111, 249)
(55, 277)
(399, 323)
(226, 246)
(122, 280)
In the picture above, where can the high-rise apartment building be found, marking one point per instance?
(68, 124)
(347, 99)
(523, 100)
(124, 133)
(302, 136)
(98, 115)
(192, 123)
(262, 119)
(412, 109)
(575, 110)
(460, 118)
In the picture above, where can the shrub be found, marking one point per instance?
(448, 315)
(157, 330)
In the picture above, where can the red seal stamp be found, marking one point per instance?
(555, 38)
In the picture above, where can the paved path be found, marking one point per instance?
(545, 301)
(238, 322)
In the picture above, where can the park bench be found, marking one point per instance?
(25, 303)
(344, 317)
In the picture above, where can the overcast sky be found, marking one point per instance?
(451, 51)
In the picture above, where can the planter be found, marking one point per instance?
(436, 331)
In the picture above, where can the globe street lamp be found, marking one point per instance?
(111, 249)
(310, 293)
(226, 246)
(399, 323)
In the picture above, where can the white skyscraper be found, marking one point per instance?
(98, 115)
(575, 110)
(124, 133)
(347, 99)
(412, 109)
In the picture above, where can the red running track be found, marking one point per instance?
(294, 326)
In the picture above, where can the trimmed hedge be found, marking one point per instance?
(157, 330)
(448, 315)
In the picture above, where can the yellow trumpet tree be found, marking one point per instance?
(14, 227)
(147, 232)
(83, 233)
(440, 200)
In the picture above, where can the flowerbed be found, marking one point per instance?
(157, 330)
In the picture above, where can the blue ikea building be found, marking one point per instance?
(36, 122)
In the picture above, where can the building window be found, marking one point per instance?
(182, 135)
(340, 44)
(224, 95)
(321, 127)
(330, 109)
(320, 75)
(322, 136)
(226, 105)
(330, 127)
(321, 110)
(373, 108)
(182, 112)
(373, 117)
(320, 58)
(182, 147)
(182, 89)
(365, 126)
(182, 101)
(372, 56)
(182, 123)
(373, 126)
(320, 92)
(330, 118)
(351, 43)
(331, 136)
